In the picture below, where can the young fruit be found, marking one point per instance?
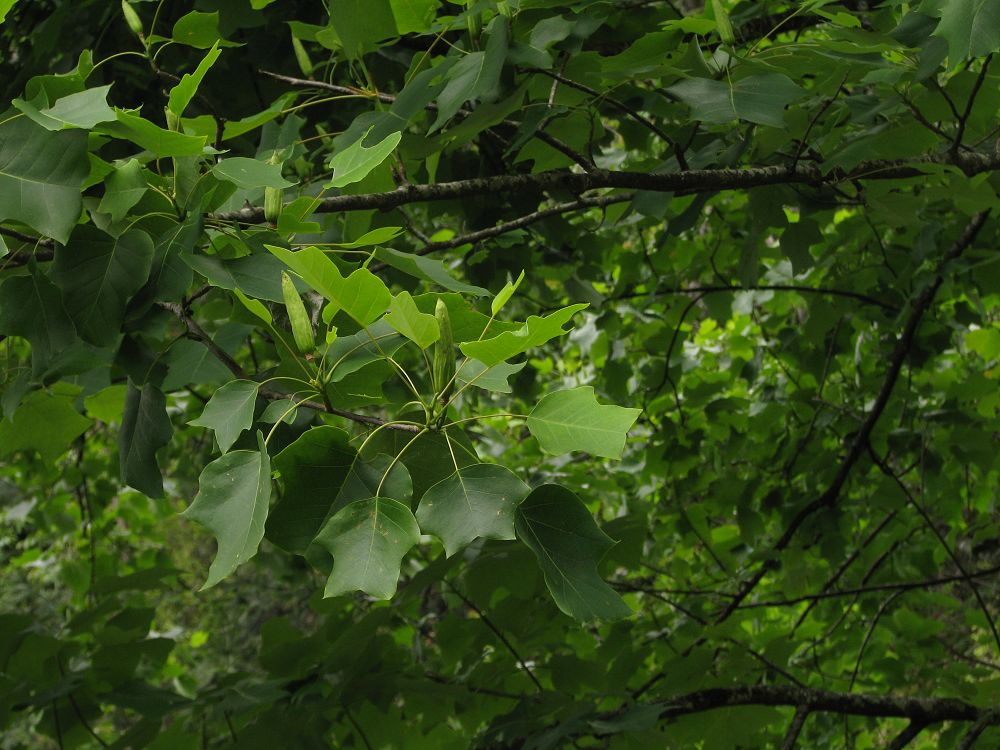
(444, 355)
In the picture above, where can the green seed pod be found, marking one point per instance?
(302, 330)
(444, 354)
(273, 198)
(132, 19)
(302, 57)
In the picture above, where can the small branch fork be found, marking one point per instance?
(196, 332)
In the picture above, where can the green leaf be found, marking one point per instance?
(559, 529)
(971, 28)
(5, 6)
(182, 94)
(41, 173)
(759, 98)
(361, 24)
(413, 16)
(420, 328)
(362, 295)
(313, 470)
(123, 189)
(504, 295)
(229, 412)
(572, 420)
(488, 378)
(84, 109)
(145, 429)
(356, 162)
(985, 342)
(257, 275)
(371, 238)
(250, 174)
(32, 307)
(199, 30)
(158, 141)
(98, 275)
(475, 501)
(368, 540)
(535, 332)
(233, 495)
(46, 422)
(427, 269)
(475, 76)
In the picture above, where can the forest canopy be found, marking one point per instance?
(499, 374)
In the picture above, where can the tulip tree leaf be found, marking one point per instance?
(41, 173)
(229, 412)
(559, 529)
(488, 378)
(250, 174)
(420, 328)
(32, 306)
(475, 76)
(44, 422)
(362, 295)
(98, 275)
(368, 540)
(233, 494)
(535, 332)
(475, 501)
(427, 269)
(313, 470)
(758, 98)
(83, 109)
(572, 420)
(971, 28)
(145, 429)
(356, 161)
(182, 94)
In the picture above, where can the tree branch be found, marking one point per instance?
(829, 498)
(680, 183)
(196, 332)
(795, 728)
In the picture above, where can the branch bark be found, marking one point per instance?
(681, 183)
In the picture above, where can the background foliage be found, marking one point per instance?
(261, 262)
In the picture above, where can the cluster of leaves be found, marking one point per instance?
(357, 288)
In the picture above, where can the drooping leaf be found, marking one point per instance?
(413, 15)
(427, 269)
(418, 327)
(368, 540)
(488, 378)
(257, 275)
(250, 173)
(568, 544)
(971, 28)
(535, 332)
(32, 307)
(759, 98)
(145, 429)
(475, 76)
(356, 161)
(475, 501)
(313, 470)
(362, 295)
(361, 24)
(200, 30)
(229, 412)
(233, 494)
(572, 420)
(41, 173)
(98, 275)
(182, 94)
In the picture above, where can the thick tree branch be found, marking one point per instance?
(681, 183)
(926, 710)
